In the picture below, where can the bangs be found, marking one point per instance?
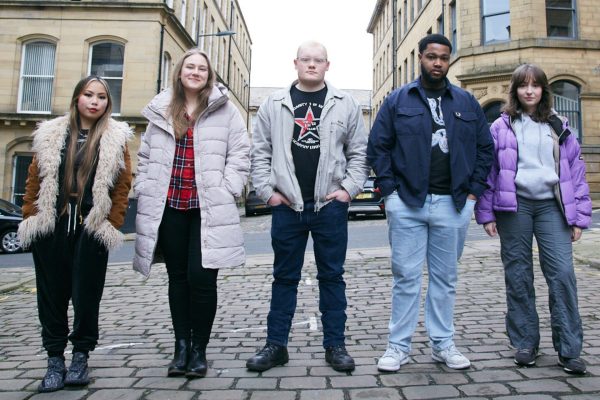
(529, 73)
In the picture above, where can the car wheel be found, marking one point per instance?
(9, 241)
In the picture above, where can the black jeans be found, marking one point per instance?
(69, 265)
(192, 288)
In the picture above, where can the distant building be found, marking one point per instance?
(47, 46)
(490, 39)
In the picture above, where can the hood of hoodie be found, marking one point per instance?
(156, 110)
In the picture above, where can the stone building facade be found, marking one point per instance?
(48, 46)
(490, 39)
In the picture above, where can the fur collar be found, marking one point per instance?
(48, 143)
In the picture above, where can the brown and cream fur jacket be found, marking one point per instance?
(110, 189)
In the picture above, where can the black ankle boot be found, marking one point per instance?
(78, 374)
(197, 364)
(178, 366)
(55, 376)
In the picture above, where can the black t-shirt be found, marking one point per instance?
(306, 143)
(439, 168)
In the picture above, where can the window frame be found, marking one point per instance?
(108, 79)
(24, 47)
(573, 9)
(484, 40)
(578, 123)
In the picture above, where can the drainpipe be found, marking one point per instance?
(229, 50)
(394, 42)
(160, 57)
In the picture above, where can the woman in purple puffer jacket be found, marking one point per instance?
(537, 187)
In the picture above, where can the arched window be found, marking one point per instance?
(492, 111)
(566, 102)
(37, 77)
(106, 61)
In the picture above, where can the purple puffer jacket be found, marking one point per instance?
(502, 192)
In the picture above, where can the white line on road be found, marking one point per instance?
(312, 325)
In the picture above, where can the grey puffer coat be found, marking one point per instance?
(221, 149)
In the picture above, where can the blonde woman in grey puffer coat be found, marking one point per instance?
(192, 164)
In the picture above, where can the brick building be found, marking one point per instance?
(48, 46)
(490, 39)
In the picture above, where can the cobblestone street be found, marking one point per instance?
(136, 341)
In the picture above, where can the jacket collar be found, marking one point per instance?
(418, 86)
(556, 122)
(156, 110)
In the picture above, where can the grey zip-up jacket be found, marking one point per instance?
(342, 162)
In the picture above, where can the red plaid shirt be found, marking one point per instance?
(183, 193)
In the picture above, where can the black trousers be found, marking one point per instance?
(69, 265)
(192, 288)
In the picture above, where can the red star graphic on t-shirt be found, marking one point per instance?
(305, 123)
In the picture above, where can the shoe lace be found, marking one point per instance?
(268, 350)
(339, 349)
(525, 351)
(393, 351)
(452, 351)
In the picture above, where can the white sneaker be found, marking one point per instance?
(392, 359)
(452, 357)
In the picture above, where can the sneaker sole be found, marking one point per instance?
(453, 366)
(392, 368)
(570, 371)
(520, 364)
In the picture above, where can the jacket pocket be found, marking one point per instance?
(409, 121)
(465, 125)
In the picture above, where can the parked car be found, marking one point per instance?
(10, 216)
(367, 202)
(254, 205)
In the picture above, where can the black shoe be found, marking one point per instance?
(55, 376)
(77, 375)
(178, 366)
(339, 359)
(270, 356)
(574, 366)
(197, 365)
(526, 357)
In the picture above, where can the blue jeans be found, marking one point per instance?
(436, 233)
(289, 234)
(543, 219)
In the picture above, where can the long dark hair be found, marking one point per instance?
(89, 148)
(524, 74)
(177, 106)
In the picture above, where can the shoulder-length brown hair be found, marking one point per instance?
(177, 106)
(89, 150)
(523, 74)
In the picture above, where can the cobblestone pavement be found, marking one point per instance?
(136, 340)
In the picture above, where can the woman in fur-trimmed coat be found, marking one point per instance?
(75, 200)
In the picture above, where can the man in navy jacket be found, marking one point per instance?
(431, 149)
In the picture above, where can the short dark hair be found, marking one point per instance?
(434, 38)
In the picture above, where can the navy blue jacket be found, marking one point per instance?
(399, 149)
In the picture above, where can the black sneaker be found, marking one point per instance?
(339, 359)
(574, 366)
(526, 357)
(55, 376)
(270, 356)
(78, 375)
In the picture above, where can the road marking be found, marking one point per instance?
(311, 322)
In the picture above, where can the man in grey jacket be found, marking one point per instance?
(308, 161)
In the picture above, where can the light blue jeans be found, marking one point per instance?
(436, 233)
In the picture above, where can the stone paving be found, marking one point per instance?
(136, 340)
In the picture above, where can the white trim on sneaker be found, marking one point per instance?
(392, 359)
(451, 357)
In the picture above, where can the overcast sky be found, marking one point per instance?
(277, 27)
